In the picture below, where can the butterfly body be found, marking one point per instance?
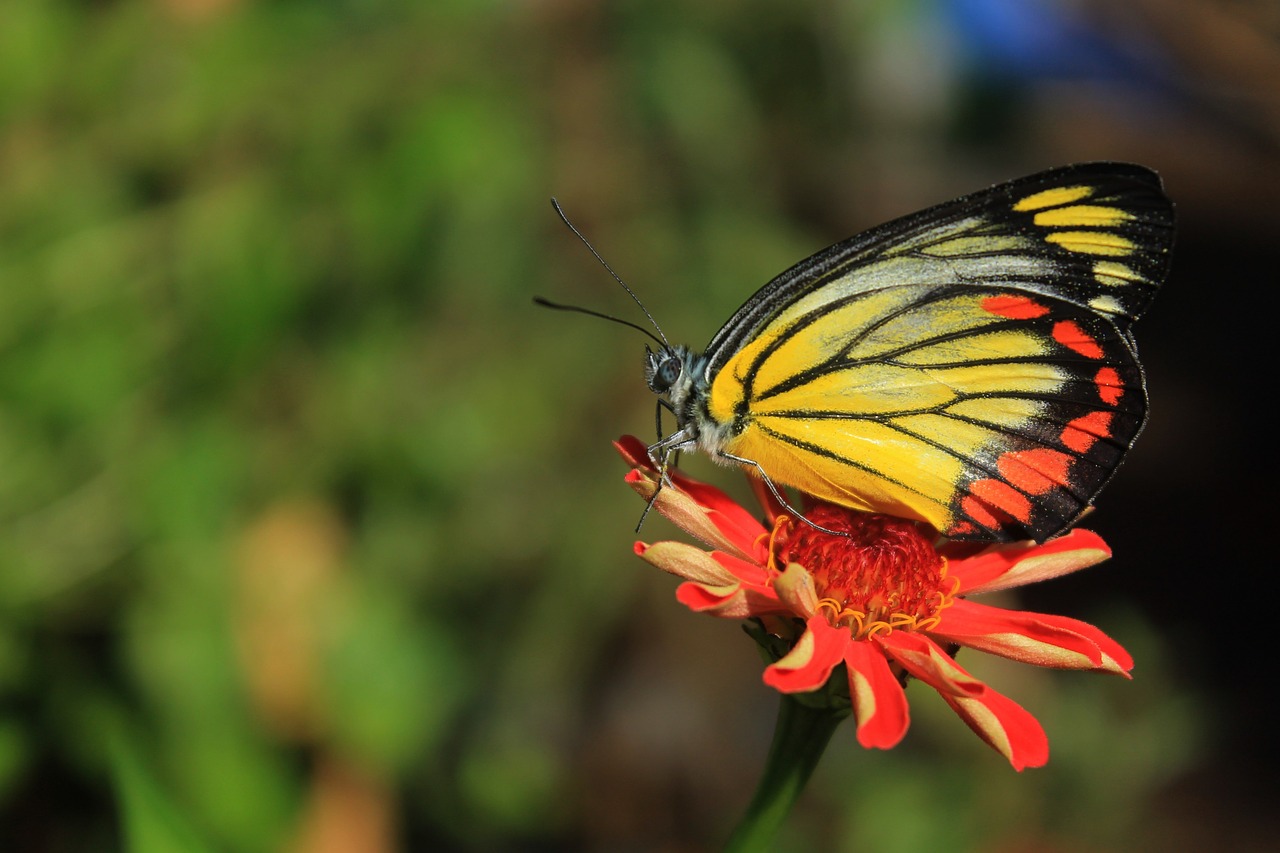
(970, 366)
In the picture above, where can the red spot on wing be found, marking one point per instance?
(1014, 307)
(1081, 433)
(1110, 388)
(1070, 335)
(1035, 471)
(985, 515)
(1002, 496)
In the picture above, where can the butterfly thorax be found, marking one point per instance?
(679, 376)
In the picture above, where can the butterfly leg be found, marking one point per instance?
(777, 493)
(657, 414)
(664, 453)
(663, 404)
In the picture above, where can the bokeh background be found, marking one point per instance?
(311, 536)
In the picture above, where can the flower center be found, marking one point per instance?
(884, 574)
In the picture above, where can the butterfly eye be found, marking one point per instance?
(662, 369)
(669, 371)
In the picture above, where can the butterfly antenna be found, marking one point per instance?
(547, 303)
(616, 277)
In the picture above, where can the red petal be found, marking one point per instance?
(808, 666)
(700, 598)
(741, 525)
(637, 456)
(1036, 638)
(1006, 566)
(740, 529)
(997, 719)
(686, 562)
(744, 570)
(708, 525)
(1006, 726)
(879, 702)
(634, 452)
(796, 589)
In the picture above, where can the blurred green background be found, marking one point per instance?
(311, 536)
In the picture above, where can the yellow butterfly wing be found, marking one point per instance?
(970, 366)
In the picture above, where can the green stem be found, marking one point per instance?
(799, 738)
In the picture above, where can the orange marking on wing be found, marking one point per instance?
(1035, 471)
(1109, 387)
(983, 514)
(1067, 333)
(1081, 433)
(1001, 495)
(1014, 307)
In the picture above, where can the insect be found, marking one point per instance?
(970, 365)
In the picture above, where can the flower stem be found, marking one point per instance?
(799, 738)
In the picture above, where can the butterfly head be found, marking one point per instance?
(662, 368)
(671, 372)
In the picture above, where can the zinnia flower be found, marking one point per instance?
(884, 599)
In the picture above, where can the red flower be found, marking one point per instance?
(884, 600)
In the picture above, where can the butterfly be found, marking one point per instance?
(970, 366)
